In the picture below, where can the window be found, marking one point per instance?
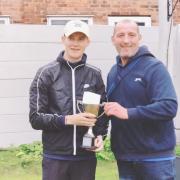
(62, 20)
(4, 19)
(141, 20)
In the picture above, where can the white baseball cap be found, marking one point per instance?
(76, 26)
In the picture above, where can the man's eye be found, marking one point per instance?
(120, 35)
(132, 35)
(81, 39)
(71, 38)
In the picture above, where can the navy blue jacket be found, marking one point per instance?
(145, 88)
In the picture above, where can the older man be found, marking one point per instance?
(142, 107)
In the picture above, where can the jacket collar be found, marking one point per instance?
(61, 60)
(142, 51)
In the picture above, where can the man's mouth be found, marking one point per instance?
(74, 49)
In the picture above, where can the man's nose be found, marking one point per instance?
(126, 39)
(75, 42)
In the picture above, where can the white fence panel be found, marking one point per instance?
(25, 48)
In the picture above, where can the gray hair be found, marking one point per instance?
(126, 21)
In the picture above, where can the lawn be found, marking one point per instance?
(12, 168)
(26, 168)
(106, 170)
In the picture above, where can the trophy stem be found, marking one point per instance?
(90, 132)
(88, 140)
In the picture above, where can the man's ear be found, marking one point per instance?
(87, 42)
(62, 38)
(112, 39)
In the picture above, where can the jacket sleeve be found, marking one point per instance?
(101, 127)
(39, 115)
(162, 97)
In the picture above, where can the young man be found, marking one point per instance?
(143, 105)
(54, 93)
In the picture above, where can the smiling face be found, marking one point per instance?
(75, 45)
(126, 39)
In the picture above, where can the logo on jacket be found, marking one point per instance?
(138, 79)
(86, 86)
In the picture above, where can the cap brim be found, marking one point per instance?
(67, 34)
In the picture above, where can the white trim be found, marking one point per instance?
(37, 85)
(62, 19)
(93, 67)
(4, 19)
(74, 106)
(139, 19)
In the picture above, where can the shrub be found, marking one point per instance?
(29, 153)
(106, 154)
(178, 150)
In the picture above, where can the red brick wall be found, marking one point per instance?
(35, 11)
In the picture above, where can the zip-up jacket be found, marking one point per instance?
(145, 88)
(54, 93)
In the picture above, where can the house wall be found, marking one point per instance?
(35, 11)
(176, 75)
(24, 48)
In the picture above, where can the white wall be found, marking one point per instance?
(176, 75)
(23, 49)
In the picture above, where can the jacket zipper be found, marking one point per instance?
(74, 104)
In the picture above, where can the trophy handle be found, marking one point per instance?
(80, 102)
(100, 115)
(101, 106)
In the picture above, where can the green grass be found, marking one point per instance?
(178, 150)
(12, 168)
(15, 168)
(106, 170)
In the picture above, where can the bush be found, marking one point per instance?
(29, 153)
(107, 153)
(178, 150)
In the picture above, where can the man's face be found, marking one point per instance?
(75, 45)
(126, 39)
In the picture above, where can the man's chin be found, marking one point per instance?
(125, 57)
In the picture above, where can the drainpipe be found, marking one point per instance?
(165, 43)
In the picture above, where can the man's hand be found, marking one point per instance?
(81, 119)
(115, 109)
(98, 143)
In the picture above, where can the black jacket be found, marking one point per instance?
(53, 94)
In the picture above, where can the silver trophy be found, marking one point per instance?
(91, 104)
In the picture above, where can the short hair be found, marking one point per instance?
(126, 21)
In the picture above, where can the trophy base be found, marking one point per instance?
(88, 142)
(89, 148)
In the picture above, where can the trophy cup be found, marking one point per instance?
(91, 104)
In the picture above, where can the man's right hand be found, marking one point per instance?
(81, 119)
(115, 109)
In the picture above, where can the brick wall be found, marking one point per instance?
(35, 11)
